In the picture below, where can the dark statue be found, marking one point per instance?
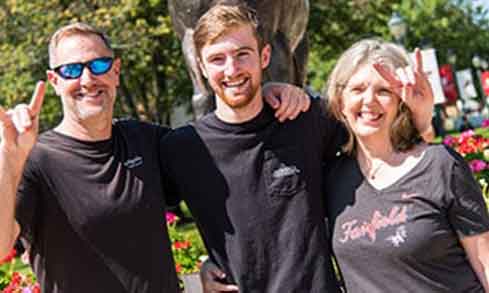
(284, 23)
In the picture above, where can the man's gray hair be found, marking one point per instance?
(77, 28)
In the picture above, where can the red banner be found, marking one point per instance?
(448, 83)
(485, 82)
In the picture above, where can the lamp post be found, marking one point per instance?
(397, 27)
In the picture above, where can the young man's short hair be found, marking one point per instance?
(222, 18)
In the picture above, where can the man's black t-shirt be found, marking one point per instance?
(92, 213)
(405, 237)
(255, 191)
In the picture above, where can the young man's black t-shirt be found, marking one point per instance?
(255, 191)
(92, 213)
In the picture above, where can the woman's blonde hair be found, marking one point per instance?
(404, 134)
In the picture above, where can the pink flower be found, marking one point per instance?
(477, 165)
(449, 140)
(466, 135)
(485, 123)
(171, 218)
(36, 289)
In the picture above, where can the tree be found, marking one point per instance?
(335, 25)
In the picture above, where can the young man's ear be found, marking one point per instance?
(266, 54)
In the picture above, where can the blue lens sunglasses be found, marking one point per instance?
(96, 66)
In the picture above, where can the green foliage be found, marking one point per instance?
(187, 246)
(447, 25)
(15, 265)
(336, 24)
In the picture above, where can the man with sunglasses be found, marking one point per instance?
(89, 201)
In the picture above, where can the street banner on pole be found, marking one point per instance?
(430, 68)
(448, 84)
(485, 82)
(465, 84)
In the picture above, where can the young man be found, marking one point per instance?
(90, 201)
(253, 185)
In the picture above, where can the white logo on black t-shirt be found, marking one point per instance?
(285, 171)
(134, 162)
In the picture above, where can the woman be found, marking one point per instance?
(405, 216)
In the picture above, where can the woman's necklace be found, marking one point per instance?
(371, 173)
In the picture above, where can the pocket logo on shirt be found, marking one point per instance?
(285, 171)
(134, 162)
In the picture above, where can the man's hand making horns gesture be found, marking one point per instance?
(19, 126)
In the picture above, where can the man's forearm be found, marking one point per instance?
(10, 174)
(18, 133)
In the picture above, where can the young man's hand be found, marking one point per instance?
(209, 276)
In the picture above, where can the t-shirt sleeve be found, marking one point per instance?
(172, 197)
(27, 202)
(467, 210)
